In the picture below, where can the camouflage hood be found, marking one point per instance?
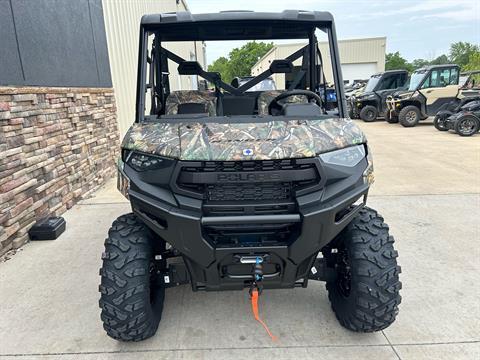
(243, 141)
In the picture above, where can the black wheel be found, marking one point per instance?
(391, 119)
(439, 122)
(467, 125)
(131, 293)
(368, 113)
(409, 116)
(365, 294)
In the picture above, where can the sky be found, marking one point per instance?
(416, 28)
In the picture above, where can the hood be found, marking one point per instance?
(243, 141)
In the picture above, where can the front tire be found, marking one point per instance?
(467, 125)
(439, 122)
(368, 113)
(409, 116)
(365, 294)
(131, 296)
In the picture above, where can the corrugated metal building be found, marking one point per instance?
(360, 58)
(122, 24)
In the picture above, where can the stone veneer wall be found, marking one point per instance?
(57, 145)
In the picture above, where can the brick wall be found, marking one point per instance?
(57, 145)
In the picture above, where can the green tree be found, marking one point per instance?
(442, 59)
(419, 63)
(394, 61)
(460, 52)
(220, 65)
(240, 60)
(473, 62)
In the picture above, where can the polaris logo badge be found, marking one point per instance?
(248, 177)
(247, 152)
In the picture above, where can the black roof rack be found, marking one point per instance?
(430, 67)
(236, 25)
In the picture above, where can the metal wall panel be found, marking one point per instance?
(10, 67)
(122, 24)
(60, 43)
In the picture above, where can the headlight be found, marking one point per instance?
(405, 95)
(366, 97)
(144, 162)
(349, 156)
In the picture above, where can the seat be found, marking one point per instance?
(266, 97)
(187, 101)
(238, 105)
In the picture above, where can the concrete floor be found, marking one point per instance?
(427, 188)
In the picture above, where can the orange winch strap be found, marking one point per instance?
(257, 317)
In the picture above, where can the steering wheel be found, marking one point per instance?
(276, 105)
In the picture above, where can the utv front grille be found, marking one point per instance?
(237, 181)
(246, 188)
(241, 166)
(248, 192)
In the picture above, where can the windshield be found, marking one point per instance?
(231, 75)
(416, 79)
(372, 83)
(264, 85)
(463, 80)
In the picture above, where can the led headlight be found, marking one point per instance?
(349, 156)
(366, 97)
(144, 162)
(405, 95)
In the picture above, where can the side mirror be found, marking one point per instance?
(281, 66)
(235, 83)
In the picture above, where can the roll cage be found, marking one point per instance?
(238, 25)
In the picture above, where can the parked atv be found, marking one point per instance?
(451, 108)
(371, 103)
(430, 90)
(234, 189)
(465, 121)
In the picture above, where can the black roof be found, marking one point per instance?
(236, 25)
(431, 67)
(398, 71)
(472, 72)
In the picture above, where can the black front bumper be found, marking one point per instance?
(182, 221)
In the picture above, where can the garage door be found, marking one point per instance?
(358, 71)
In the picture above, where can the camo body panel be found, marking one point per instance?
(224, 142)
(191, 96)
(266, 97)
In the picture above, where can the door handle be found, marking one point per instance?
(428, 91)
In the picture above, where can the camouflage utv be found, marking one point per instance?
(234, 189)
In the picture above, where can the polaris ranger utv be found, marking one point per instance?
(234, 189)
(430, 90)
(371, 103)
